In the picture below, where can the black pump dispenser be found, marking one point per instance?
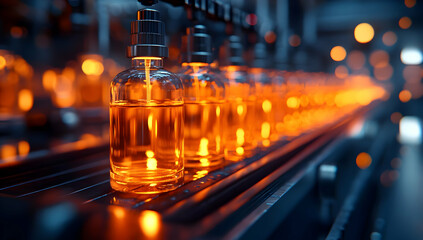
(147, 35)
(196, 45)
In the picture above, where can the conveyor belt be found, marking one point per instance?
(194, 209)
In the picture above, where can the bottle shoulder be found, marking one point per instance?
(209, 77)
(138, 75)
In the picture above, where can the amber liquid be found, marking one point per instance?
(146, 146)
(203, 134)
(240, 129)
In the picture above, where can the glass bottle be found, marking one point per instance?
(239, 126)
(204, 95)
(265, 102)
(146, 121)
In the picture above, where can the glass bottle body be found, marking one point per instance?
(265, 106)
(146, 129)
(279, 105)
(204, 96)
(239, 127)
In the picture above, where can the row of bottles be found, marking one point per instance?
(161, 123)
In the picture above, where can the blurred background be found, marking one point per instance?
(58, 57)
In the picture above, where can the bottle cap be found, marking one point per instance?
(260, 56)
(196, 45)
(235, 51)
(147, 35)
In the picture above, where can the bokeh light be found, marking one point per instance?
(364, 33)
(338, 53)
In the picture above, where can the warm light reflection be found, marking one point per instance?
(49, 80)
(23, 148)
(364, 33)
(338, 53)
(294, 40)
(363, 160)
(7, 152)
(410, 3)
(200, 174)
(405, 22)
(240, 136)
(265, 130)
(2, 62)
(150, 223)
(203, 148)
(240, 109)
(270, 37)
(293, 102)
(151, 164)
(267, 106)
(404, 96)
(92, 67)
(118, 212)
(25, 100)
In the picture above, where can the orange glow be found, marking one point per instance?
(240, 150)
(364, 33)
(16, 32)
(92, 67)
(240, 109)
(150, 223)
(7, 151)
(379, 59)
(384, 73)
(265, 130)
(118, 212)
(267, 106)
(294, 40)
(2, 62)
(25, 100)
(49, 80)
(23, 148)
(341, 71)
(151, 163)
(396, 117)
(293, 102)
(200, 174)
(203, 147)
(194, 64)
(64, 92)
(69, 73)
(405, 96)
(405, 22)
(356, 60)
(270, 37)
(240, 136)
(338, 53)
(410, 3)
(363, 160)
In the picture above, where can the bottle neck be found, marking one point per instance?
(142, 62)
(197, 65)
